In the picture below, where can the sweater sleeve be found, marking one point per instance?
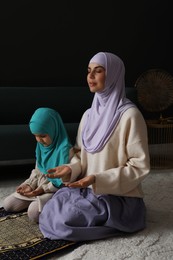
(133, 154)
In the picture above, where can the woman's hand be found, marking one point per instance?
(59, 172)
(82, 183)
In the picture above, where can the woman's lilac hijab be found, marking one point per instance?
(108, 106)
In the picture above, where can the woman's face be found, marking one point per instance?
(96, 77)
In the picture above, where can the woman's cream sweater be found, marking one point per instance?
(124, 161)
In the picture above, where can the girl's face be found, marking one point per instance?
(44, 139)
(96, 77)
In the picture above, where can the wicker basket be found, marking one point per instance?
(155, 90)
(155, 94)
(160, 139)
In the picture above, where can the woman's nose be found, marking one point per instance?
(91, 74)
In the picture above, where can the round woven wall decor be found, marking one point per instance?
(155, 90)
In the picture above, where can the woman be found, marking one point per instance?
(53, 148)
(103, 194)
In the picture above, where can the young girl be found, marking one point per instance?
(53, 148)
(104, 194)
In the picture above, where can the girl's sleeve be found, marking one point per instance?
(32, 181)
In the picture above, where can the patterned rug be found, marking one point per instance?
(21, 239)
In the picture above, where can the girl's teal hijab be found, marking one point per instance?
(48, 121)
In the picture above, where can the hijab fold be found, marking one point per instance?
(108, 106)
(48, 121)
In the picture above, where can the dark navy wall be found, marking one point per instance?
(51, 42)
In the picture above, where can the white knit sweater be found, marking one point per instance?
(124, 161)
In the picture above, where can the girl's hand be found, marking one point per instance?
(82, 183)
(23, 189)
(34, 193)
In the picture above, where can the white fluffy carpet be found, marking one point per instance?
(153, 243)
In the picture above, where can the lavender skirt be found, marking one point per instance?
(78, 215)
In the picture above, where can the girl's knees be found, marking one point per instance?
(33, 212)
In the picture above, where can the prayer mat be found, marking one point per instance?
(22, 239)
